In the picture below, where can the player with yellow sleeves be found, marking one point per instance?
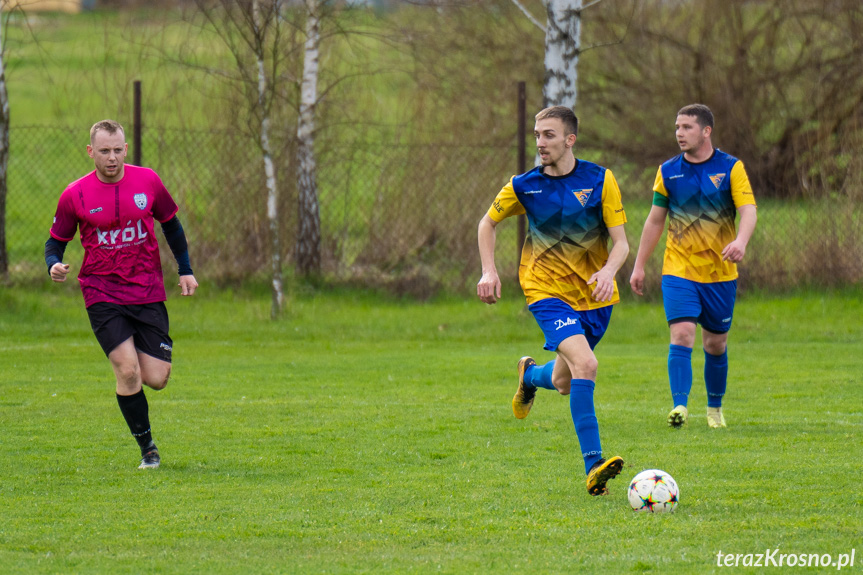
(700, 191)
(566, 272)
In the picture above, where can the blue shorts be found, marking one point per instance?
(558, 321)
(709, 304)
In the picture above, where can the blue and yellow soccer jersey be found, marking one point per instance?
(567, 242)
(702, 201)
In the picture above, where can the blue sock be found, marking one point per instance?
(715, 377)
(680, 373)
(584, 418)
(539, 375)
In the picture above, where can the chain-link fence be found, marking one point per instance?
(394, 215)
(399, 216)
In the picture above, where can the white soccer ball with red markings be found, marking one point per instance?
(653, 491)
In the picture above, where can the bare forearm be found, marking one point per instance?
(618, 255)
(649, 238)
(488, 288)
(619, 252)
(486, 238)
(748, 219)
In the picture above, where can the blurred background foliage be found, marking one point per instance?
(417, 125)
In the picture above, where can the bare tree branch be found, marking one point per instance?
(530, 17)
(619, 40)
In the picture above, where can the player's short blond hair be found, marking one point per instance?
(562, 113)
(109, 126)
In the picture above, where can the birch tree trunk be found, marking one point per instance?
(562, 49)
(4, 160)
(269, 168)
(308, 246)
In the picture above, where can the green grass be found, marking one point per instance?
(369, 435)
(69, 69)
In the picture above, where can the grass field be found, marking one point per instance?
(361, 435)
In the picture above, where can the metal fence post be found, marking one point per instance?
(136, 121)
(522, 133)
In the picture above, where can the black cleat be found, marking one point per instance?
(150, 460)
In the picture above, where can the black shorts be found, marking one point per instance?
(146, 323)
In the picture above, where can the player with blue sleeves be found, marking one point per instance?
(700, 191)
(566, 272)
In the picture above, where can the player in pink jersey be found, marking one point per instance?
(115, 208)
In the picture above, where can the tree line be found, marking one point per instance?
(783, 77)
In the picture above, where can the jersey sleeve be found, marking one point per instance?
(506, 204)
(65, 218)
(612, 204)
(741, 189)
(164, 206)
(660, 194)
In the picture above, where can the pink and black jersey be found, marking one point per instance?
(116, 221)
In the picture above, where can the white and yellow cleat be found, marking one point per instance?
(715, 419)
(677, 417)
(522, 401)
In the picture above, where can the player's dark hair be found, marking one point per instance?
(564, 114)
(109, 126)
(702, 114)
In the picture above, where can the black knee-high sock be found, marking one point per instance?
(136, 411)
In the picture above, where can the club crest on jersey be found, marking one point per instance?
(717, 179)
(582, 195)
(140, 200)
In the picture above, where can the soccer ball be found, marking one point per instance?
(653, 491)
